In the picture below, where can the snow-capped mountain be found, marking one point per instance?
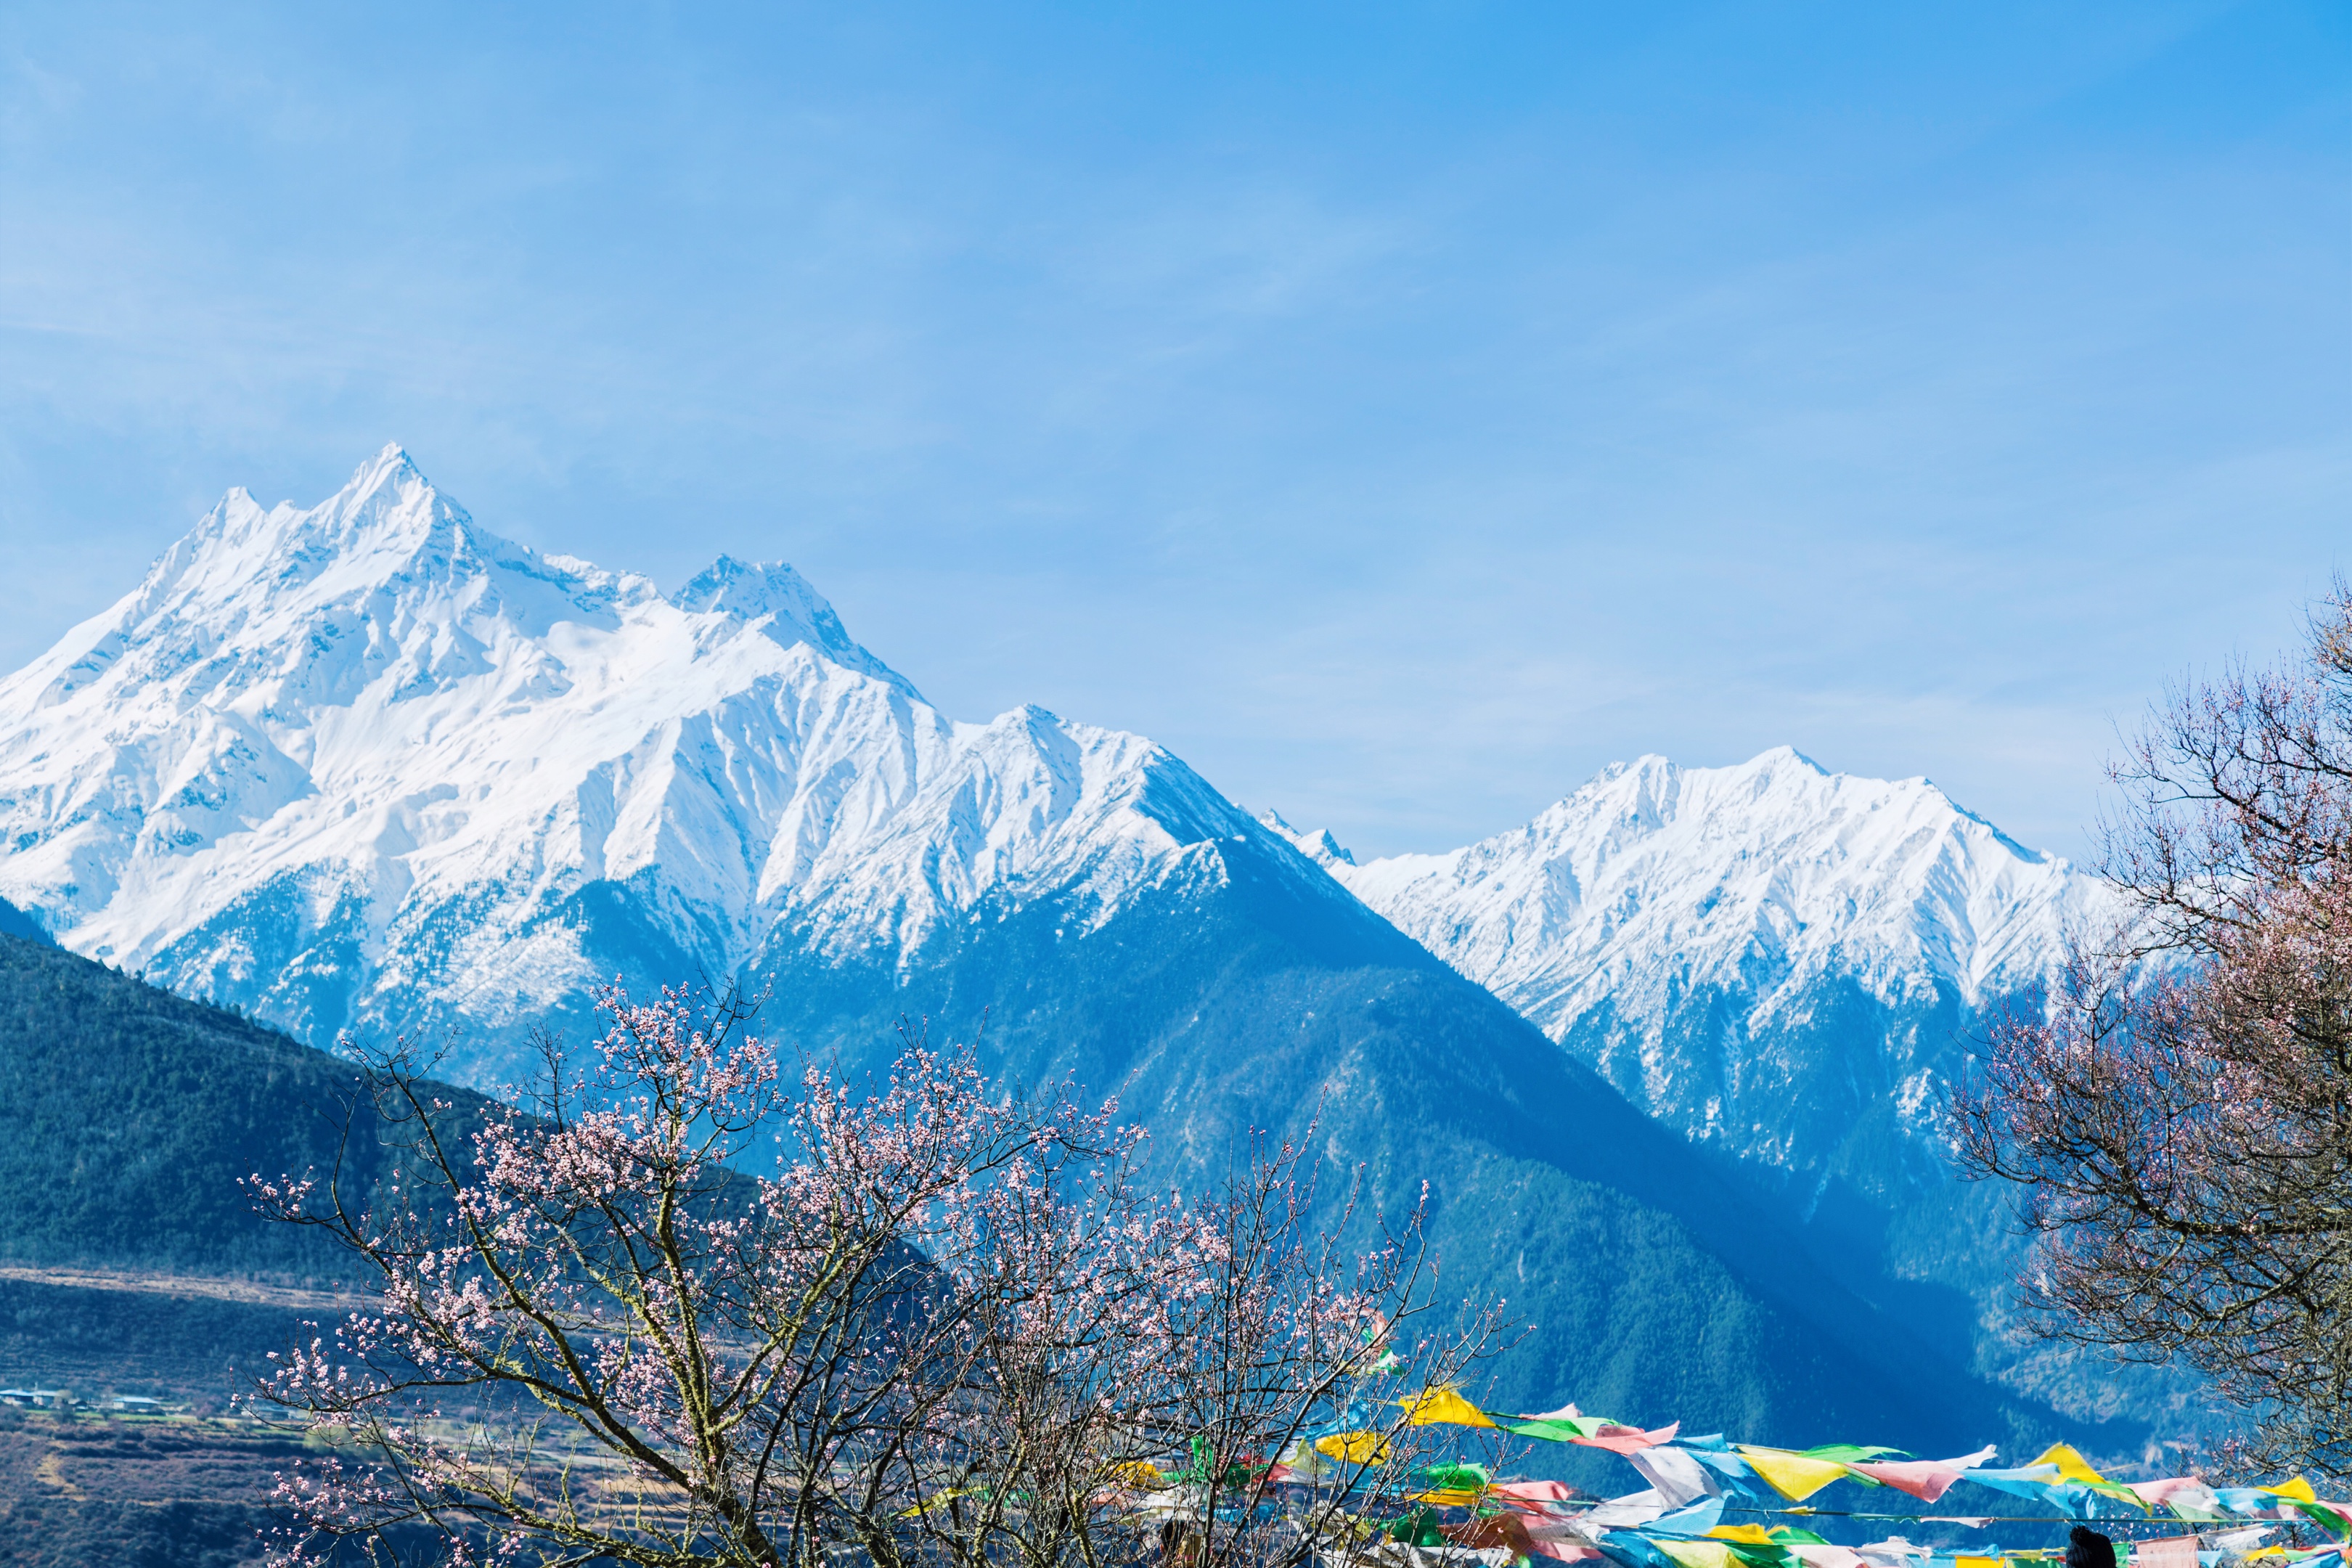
(1761, 897)
(1770, 873)
(1787, 966)
(369, 764)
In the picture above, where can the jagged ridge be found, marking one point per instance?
(1787, 966)
(369, 764)
(1763, 885)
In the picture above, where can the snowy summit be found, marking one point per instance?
(1757, 953)
(368, 764)
(355, 762)
(1770, 873)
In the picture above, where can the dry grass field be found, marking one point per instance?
(94, 1487)
(134, 1491)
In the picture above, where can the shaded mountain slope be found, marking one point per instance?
(15, 922)
(131, 1265)
(1652, 1286)
(368, 764)
(1787, 966)
(1649, 1285)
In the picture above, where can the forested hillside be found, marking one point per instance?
(127, 1115)
(131, 1265)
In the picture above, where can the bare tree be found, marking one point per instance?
(951, 1327)
(2181, 1115)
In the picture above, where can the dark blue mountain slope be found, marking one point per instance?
(1654, 1284)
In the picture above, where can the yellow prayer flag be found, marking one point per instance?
(2296, 1490)
(2072, 1465)
(1698, 1554)
(1976, 1563)
(1443, 1407)
(1793, 1476)
(1354, 1448)
(1753, 1535)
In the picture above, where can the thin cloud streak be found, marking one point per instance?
(1398, 421)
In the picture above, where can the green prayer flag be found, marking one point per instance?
(1457, 1477)
(1559, 1431)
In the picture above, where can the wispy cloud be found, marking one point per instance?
(1400, 415)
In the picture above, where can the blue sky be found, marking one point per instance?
(1399, 412)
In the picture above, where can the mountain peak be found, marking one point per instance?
(391, 464)
(752, 589)
(1320, 847)
(1785, 755)
(387, 519)
(788, 610)
(1763, 874)
(366, 756)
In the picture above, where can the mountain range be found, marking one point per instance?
(1787, 966)
(369, 765)
(1666, 1055)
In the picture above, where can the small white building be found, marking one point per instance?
(39, 1398)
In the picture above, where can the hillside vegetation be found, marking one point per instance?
(127, 1115)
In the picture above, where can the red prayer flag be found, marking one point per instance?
(1628, 1439)
(1926, 1479)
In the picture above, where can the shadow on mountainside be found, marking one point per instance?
(1655, 1283)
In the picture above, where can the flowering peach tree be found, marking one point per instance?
(2179, 1119)
(679, 1306)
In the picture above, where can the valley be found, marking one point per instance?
(1668, 1058)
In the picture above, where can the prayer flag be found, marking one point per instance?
(1793, 1476)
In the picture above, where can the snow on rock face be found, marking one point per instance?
(787, 609)
(1769, 873)
(342, 763)
(1786, 966)
(1756, 890)
(1318, 847)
